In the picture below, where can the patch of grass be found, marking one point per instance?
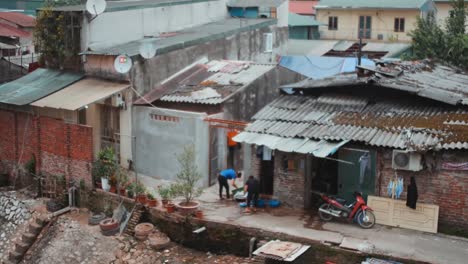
(453, 230)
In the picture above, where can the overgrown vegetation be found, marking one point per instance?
(448, 43)
(51, 37)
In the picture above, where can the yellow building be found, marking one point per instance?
(377, 20)
(443, 10)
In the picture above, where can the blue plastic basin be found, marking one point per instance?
(274, 203)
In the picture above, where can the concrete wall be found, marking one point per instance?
(382, 23)
(443, 12)
(132, 24)
(246, 103)
(147, 74)
(282, 13)
(161, 134)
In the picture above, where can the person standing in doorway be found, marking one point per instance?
(252, 188)
(223, 178)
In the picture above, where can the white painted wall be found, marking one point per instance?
(282, 14)
(158, 142)
(114, 28)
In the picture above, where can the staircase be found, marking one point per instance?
(137, 212)
(27, 240)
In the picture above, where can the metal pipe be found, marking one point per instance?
(329, 212)
(59, 212)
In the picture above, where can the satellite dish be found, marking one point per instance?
(122, 64)
(148, 48)
(96, 7)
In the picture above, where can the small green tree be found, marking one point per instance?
(428, 39)
(188, 176)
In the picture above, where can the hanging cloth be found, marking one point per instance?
(412, 196)
(364, 166)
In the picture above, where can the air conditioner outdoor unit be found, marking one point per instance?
(380, 36)
(405, 160)
(117, 100)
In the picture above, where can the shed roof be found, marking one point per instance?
(303, 7)
(18, 19)
(11, 31)
(184, 38)
(255, 3)
(210, 83)
(378, 122)
(35, 86)
(116, 6)
(80, 94)
(359, 4)
(300, 20)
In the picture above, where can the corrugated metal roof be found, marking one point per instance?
(303, 7)
(223, 78)
(255, 3)
(35, 86)
(318, 148)
(11, 31)
(436, 82)
(116, 6)
(391, 4)
(80, 94)
(18, 19)
(379, 122)
(184, 38)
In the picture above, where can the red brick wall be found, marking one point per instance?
(446, 188)
(289, 185)
(59, 148)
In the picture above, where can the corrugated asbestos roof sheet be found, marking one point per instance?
(184, 38)
(35, 86)
(80, 94)
(384, 123)
(115, 6)
(392, 4)
(210, 83)
(436, 82)
(255, 3)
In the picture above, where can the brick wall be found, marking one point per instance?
(59, 148)
(289, 185)
(446, 188)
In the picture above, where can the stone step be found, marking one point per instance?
(15, 256)
(35, 228)
(22, 247)
(28, 238)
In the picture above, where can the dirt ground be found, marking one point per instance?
(71, 240)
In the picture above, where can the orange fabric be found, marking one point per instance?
(230, 135)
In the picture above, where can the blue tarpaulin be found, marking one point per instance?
(317, 67)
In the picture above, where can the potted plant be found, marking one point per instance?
(170, 207)
(165, 193)
(122, 180)
(187, 180)
(104, 167)
(140, 193)
(131, 190)
(151, 200)
(113, 184)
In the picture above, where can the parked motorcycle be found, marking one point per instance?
(357, 210)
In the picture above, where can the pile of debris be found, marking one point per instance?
(12, 209)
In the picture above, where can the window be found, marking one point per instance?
(399, 24)
(333, 23)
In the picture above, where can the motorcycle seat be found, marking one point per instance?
(340, 200)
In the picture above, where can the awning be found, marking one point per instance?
(35, 86)
(318, 148)
(81, 93)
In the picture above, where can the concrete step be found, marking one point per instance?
(35, 228)
(28, 238)
(22, 247)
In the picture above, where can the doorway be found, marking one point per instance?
(365, 26)
(266, 176)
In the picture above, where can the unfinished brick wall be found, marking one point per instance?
(446, 188)
(289, 184)
(59, 148)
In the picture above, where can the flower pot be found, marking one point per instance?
(187, 208)
(141, 198)
(105, 184)
(165, 201)
(151, 203)
(170, 208)
(199, 214)
(122, 191)
(113, 189)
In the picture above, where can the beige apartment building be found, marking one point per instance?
(443, 10)
(381, 20)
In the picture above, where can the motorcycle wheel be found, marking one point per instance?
(367, 223)
(325, 216)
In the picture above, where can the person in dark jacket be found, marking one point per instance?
(252, 188)
(412, 196)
